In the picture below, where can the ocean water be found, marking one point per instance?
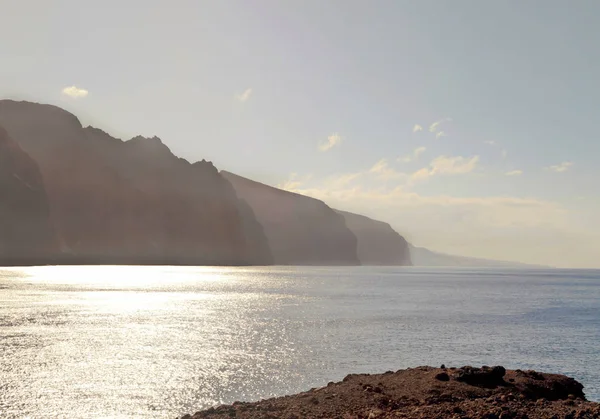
(157, 342)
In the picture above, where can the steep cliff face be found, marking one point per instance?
(129, 202)
(378, 243)
(300, 230)
(260, 252)
(26, 230)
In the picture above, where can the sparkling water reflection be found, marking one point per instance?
(162, 341)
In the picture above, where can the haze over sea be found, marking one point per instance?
(156, 342)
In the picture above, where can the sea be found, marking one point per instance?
(159, 342)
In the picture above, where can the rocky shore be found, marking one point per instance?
(427, 392)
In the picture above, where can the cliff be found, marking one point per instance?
(378, 243)
(300, 230)
(131, 202)
(426, 392)
(26, 230)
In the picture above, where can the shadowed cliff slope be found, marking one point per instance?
(26, 231)
(300, 230)
(378, 243)
(133, 201)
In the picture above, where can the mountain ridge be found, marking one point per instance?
(134, 201)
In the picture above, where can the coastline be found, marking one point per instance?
(427, 392)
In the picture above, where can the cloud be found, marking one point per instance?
(421, 174)
(333, 140)
(514, 173)
(244, 96)
(440, 134)
(504, 153)
(453, 165)
(443, 165)
(414, 156)
(379, 166)
(417, 128)
(336, 182)
(291, 183)
(74, 92)
(294, 182)
(563, 167)
(435, 126)
(490, 142)
(384, 172)
(418, 151)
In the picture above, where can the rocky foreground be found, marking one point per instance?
(426, 392)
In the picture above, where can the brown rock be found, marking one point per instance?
(417, 393)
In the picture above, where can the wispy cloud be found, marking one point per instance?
(421, 174)
(383, 171)
(562, 167)
(291, 183)
(436, 125)
(414, 155)
(294, 182)
(74, 92)
(243, 97)
(453, 165)
(333, 140)
(418, 151)
(514, 173)
(504, 153)
(417, 128)
(444, 165)
(490, 142)
(440, 134)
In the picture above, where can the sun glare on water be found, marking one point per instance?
(123, 277)
(126, 289)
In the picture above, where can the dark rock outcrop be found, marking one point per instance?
(300, 230)
(26, 230)
(131, 202)
(484, 376)
(420, 393)
(378, 242)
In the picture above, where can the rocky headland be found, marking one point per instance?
(378, 242)
(427, 392)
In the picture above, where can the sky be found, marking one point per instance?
(469, 126)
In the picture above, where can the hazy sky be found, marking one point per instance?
(470, 126)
